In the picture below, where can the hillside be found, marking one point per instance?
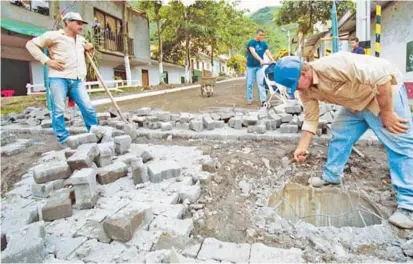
(277, 39)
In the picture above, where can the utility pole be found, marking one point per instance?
(363, 24)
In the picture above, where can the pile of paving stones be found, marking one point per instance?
(285, 118)
(11, 145)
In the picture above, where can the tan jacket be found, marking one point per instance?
(349, 80)
(63, 48)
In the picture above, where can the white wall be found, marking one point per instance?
(174, 74)
(396, 31)
(107, 72)
(37, 72)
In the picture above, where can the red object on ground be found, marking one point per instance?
(7, 93)
(409, 89)
(71, 103)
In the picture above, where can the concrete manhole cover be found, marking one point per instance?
(324, 207)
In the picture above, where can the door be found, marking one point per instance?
(145, 78)
(18, 75)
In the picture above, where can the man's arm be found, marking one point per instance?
(255, 55)
(35, 46)
(391, 121)
(269, 55)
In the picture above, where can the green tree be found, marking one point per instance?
(237, 62)
(90, 72)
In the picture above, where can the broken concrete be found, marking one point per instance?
(163, 169)
(112, 172)
(191, 193)
(224, 251)
(261, 253)
(51, 171)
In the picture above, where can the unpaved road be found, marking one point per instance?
(228, 94)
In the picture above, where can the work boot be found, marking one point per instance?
(402, 218)
(317, 182)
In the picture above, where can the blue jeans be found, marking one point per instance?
(348, 127)
(255, 73)
(60, 88)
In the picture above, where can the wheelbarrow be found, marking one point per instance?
(207, 86)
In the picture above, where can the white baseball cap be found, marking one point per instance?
(73, 16)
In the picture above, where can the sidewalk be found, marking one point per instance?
(148, 94)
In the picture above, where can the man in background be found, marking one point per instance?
(356, 48)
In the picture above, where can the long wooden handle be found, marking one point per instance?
(105, 87)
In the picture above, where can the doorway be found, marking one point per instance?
(145, 78)
(15, 75)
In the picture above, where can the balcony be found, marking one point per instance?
(108, 41)
(40, 6)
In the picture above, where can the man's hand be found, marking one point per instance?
(300, 155)
(89, 47)
(392, 122)
(55, 64)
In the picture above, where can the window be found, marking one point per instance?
(38, 6)
(109, 23)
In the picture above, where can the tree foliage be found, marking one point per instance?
(237, 62)
(306, 13)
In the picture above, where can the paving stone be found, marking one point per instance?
(192, 251)
(154, 125)
(325, 108)
(112, 172)
(93, 251)
(108, 135)
(293, 109)
(163, 169)
(84, 183)
(122, 144)
(165, 126)
(288, 128)
(286, 118)
(224, 251)
(173, 227)
(105, 155)
(124, 223)
(249, 120)
(191, 193)
(130, 129)
(99, 131)
(93, 230)
(32, 122)
(259, 129)
(322, 123)
(12, 149)
(271, 124)
(175, 117)
(103, 116)
(294, 121)
(7, 138)
(327, 117)
(19, 213)
(163, 116)
(261, 253)
(51, 171)
(47, 123)
(26, 246)
(196, 125)
(84, 156)
(208, 122)
(184, 126)
(172, 123)
(63, 246)
(407, 248)
(139, 120)
(262, 113)
(144, 240)
(235, 122)
(301, 120)
(226, 116)
(219, 124)
(57, 207)
(144, 111)
(159, 256)
(69, 152)
(139, 172)
(76, 140)
(176, 211)
(185, 117)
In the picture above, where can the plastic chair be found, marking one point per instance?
(7, 93)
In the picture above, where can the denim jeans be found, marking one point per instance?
(255, 73)
(348, 127)
(60, 88)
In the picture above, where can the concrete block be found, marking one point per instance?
(139, 170)
(144, 111)
(286, 118)
(208, 122)
(152, 119)
(51, 171)
(139, 120)
(175, 117)
(62, 247)
(249, 120)
(210, 166)
(163, 169)
(219, 124)
(163, 116)
(271, 124)
(140, 152)
(327, 117)
(123, 224)
(57, 207)
(300, 120)
(112, 172)
(176, 211)
(226, 116)
(7, 138)
(95, 252)
(166, 126)
(288, 128)
(185, 117)
(103, 116)
(325, 108)
(294, 121)
(122, 144)
(293, 109)
(76, 140)
(69, 152)
(173, 227)
(236, 122)
(258, 129)
(322, 123)
(93, 230)
(196, 125)
(33, 122)
(47, 123)
(215, 116)
(117, 133)
(130, 129)
(126, 158)
(84, 183)
(43, 190)
(224, 251)
(99, 131)
(261, 253)
(184, 126)
(154, 125)
(84, 156)
(144, 240)
(191, 193)
(262, 113)
(12, 149)
(105, 155)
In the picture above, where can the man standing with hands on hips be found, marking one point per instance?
(373, 96)
(255, 59)
(67, 71)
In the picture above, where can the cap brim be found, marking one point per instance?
(84, 22)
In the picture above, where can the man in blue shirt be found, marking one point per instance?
(356, 48)
(255, 59)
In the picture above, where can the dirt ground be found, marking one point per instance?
(229, 94)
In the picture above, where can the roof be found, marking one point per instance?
(22, 28)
